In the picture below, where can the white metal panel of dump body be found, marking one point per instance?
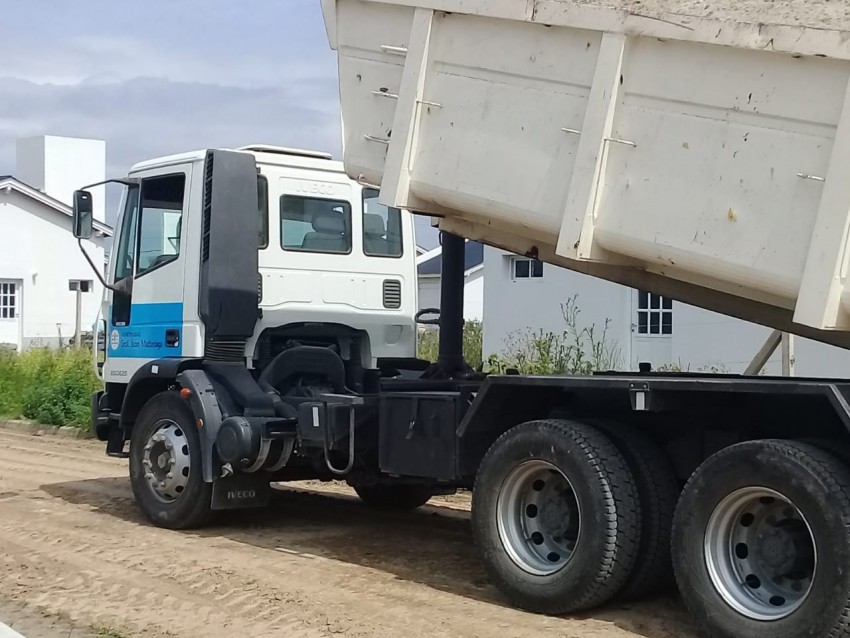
(698, 158)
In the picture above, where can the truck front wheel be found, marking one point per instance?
(760, 542)
(165, 465)
(555, 516)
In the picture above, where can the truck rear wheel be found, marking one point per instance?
(658, 492)
(165, 465)
(555, 516)
(760, 542)
(394, 497)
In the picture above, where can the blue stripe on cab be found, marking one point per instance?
(144, 338)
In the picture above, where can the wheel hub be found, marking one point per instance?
(775, 550)
(760, 553)
(166, 461)
(555, 516)
(537, 517)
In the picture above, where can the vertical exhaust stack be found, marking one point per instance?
(450, 361)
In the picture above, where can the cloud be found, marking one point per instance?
(148, 117)
(250, 43)
(164, 77)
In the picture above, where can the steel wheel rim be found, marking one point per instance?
(538, 517)
(166, 461)
(760, 553)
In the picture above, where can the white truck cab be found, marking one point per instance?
(335, 266)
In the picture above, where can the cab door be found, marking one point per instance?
(144, 315)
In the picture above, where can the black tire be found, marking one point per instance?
(394, 497)
(192, 507)
(606, 499)
(818, 486)
(658, 491)
(837, 448)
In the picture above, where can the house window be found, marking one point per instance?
(655, 314)
(8, 300)
(522, 268)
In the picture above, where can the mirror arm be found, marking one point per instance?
(126, 181)
(95, 269)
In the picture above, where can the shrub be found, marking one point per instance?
(52, 387)
(575, 350)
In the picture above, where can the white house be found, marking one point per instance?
(520, 293)
(40, 261)
(428, 266)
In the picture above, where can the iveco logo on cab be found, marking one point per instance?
(234, 495)
(314, 188)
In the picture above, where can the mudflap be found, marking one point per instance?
(241, 491)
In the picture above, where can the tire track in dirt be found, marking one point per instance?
(312, 564)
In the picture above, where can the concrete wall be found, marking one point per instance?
(700, 340)
(58, 166)
(38, 250)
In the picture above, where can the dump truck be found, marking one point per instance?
(260, 315)
(692, 150)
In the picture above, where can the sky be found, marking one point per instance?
(167, 76)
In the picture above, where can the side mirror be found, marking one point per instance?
(83, 216)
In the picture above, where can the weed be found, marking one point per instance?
(576, 349)
(49, 386)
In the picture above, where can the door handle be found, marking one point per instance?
(172, 337)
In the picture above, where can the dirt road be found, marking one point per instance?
(74, 548)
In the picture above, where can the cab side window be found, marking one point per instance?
(381, 227)
(315, 225)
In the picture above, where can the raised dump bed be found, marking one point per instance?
(700, 156)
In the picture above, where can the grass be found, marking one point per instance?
(49, 386)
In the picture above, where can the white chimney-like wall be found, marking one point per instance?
(58, 166)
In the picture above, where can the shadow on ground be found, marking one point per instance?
(431, 546)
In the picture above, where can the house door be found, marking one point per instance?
(10, 313)
(652, 329)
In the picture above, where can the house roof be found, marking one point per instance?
(430, 263)
(11, 182)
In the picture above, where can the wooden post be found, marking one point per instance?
(79, 333)
(788, 356)
(764, 353)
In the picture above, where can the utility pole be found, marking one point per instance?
(79, 326)
(79, 286)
